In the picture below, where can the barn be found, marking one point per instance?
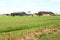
(44, 13)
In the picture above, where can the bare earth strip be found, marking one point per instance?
(39, 32)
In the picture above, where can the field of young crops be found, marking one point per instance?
(13, 27)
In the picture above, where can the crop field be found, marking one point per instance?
(30, 28)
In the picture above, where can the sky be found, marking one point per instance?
(8, 6)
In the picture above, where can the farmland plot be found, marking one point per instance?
(13, 27)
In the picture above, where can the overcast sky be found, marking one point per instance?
(7, 6)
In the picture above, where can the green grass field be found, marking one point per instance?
(23, 25)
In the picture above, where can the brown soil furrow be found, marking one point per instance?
(31, 35)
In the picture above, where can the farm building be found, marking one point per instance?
(29, 14)
(44, 13)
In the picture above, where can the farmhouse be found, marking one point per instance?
(44, 13)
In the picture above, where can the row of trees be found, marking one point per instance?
(18, 14)
(25, 14)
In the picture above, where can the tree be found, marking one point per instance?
(18, 14)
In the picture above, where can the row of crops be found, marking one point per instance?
(15, 27)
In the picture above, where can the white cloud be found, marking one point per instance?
(26, 5)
